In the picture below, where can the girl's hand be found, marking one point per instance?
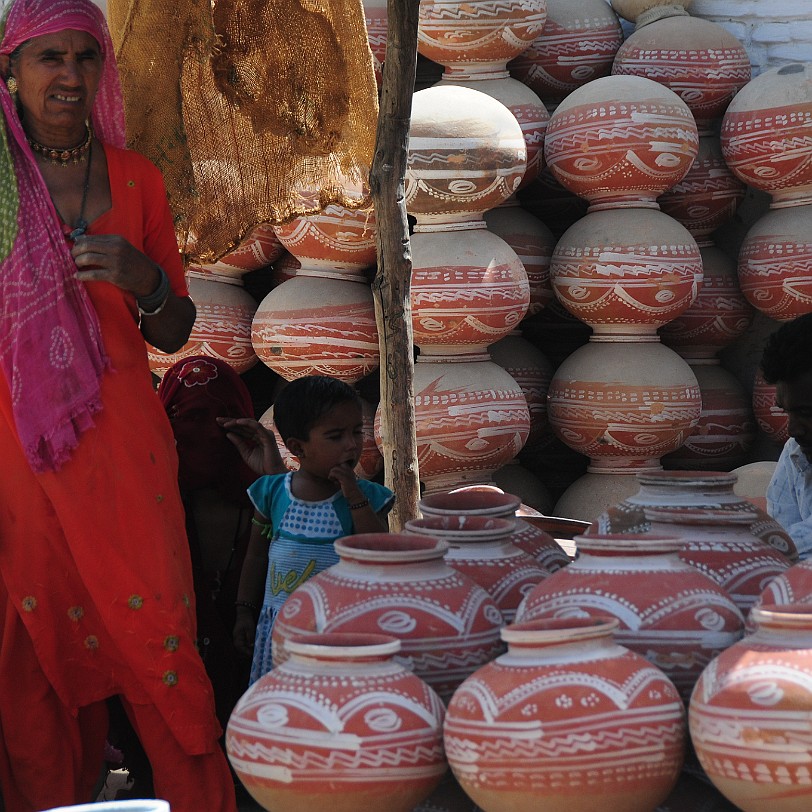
(344, 476)
(245, 630)
(257, 445)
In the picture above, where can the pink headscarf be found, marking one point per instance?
(51, 349)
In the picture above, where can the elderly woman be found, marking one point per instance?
(96, 595)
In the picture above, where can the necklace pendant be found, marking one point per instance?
(81, 228)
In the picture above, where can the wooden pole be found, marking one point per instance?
(391, 288)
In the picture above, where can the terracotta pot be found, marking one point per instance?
(726, 429)
(717, 317)
(259, 248)
(452, 32)
(775, 258)
(764, 134)
(632, 10)
(708, 196)
(548, 200)
(623, 404)
(398, 584)
(376, 18)
(594, 492)
(340, 713)
(770, 419)
(513, 477)
(701, 61)
(750, 710)
(467, 154)
(793, 586)
(480, 547)
(222, 327)
(471, 418)
(466, 291)
(493, 503)
(576, 45)
(626, 271)
(337, 239)
(317, 325)
(670, 613)
(566, 720)
(621, 141)
(533, 243)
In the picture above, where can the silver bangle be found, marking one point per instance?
(154, 303)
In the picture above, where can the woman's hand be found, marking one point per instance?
(257, 445)
(111, 258)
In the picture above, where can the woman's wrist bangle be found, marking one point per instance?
(247, 605)
(154, 303)
(358, 505)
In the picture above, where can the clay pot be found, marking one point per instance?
(670, 613)
(701, 61)
(793, 586)
(466, 155)
(466, 292)
(576, 45)
(770, 419)
(376, 18)
(626, 271)
(718, 316)
(513, 477)
(475, 32)
(222, 327)
(566, 720)
(337, 239)
(621, 141)
(749, 714)
(623, 404)
(480, 547)
(632, 10)
(726, 429)
(314, 324)
(774, 261)
(533, 243)
(493, 503)
(765, 134)
(339, 713)
(259, 248)
(709, 194)
(398, 584)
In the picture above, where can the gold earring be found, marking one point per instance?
(11, 84)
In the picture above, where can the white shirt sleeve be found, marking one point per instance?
(789, 497)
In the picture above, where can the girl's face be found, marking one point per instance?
(336, 439)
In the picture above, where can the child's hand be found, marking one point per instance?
(245, 630)
(344, 476)
(257, 445)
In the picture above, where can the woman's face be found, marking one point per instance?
(57, 79)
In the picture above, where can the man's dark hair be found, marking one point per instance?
(303, 401)
(788, 351)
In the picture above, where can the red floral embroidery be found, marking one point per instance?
(197, 373)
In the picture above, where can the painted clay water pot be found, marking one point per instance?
(480, 547)
(717, 317)
(701, 61)
(495, 503)
(566, 721)
(626, 271)
(775, 263)
(764, 134)
(548, 200)
(793, 586)
(772, 420)
(471, 418)
(339, 723)
(709, 194)
(467, 154)
(632, 10)
(317, 324)
(577, 44)
(677, 491)
(399, 584)
(478, 32)
(336, 239)
(621, 141)
(259, 248)
(726, 429)
(468, 289)
(623, 404)
(526, 106)
(222, 328)
(670, 613)
(750, 710)
(376, 18)
(533, 243)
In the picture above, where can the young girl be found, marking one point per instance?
(299, 515)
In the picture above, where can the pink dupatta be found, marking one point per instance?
(51, 348)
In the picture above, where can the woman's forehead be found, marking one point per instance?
(68, 40)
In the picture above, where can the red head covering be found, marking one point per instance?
(194, 392)
(51, 348)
